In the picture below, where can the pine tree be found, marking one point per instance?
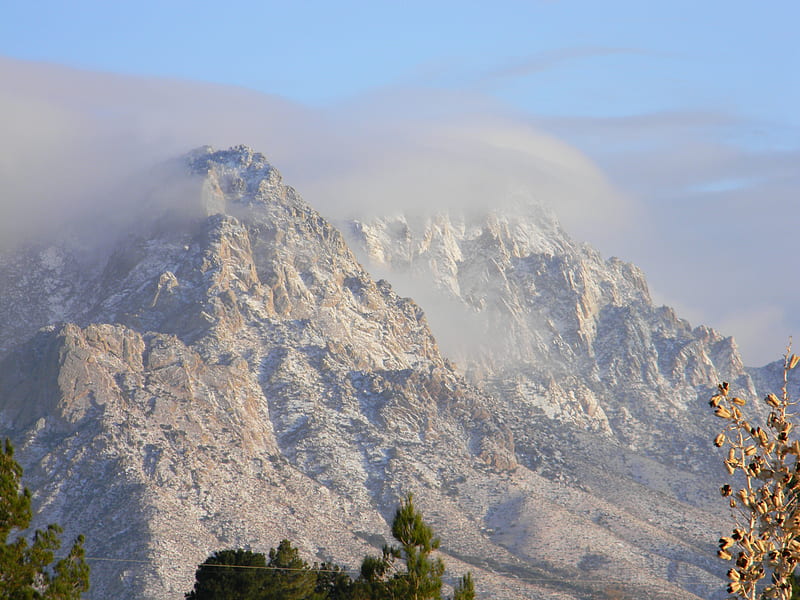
(287, 577)
(465, 589)
(245, 575)
(333, 582)
(230, 575)
(423, 577)
(290, 577)
(25, 571)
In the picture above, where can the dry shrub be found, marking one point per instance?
(764, 544)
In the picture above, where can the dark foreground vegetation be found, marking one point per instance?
(406, 571)
(26, 569)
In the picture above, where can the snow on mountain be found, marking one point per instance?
(228, 374)
(556, 329)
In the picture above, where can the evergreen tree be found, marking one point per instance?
(289, 577)
(333, 583)
(465, 589)
(378, 579)
(230, 575)
(423, 577)
(25, 571)
(243, 575)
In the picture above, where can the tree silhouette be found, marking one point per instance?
(25, 570)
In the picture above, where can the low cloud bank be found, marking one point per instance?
(717, 216)
(74, 133)
(713, 225)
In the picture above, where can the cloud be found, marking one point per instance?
(544, 61)
(711, 220)
(718, 216)
(71, 136)
(393, 158)
(75, 132)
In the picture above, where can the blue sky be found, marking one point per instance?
(687, 109)
(591, 58)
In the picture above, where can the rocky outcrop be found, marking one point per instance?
(231, 375)
(556, 329)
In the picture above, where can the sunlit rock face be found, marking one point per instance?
(225, 373)
(554, 329)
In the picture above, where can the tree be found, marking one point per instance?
(378, 580)
(230, 575)
(333, 582)
(289, 577)
(465, 589)
(25, 570)
(764, 495)
(422, 578)
(243, 575)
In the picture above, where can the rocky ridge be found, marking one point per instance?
(581, 341)
(231, 375)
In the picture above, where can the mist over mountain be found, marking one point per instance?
(227, 373)
(659, 190)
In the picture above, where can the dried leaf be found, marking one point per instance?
(725, 543)
(723, 413)
(793, 360)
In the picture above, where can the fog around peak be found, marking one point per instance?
(711, 224)
(71, 134)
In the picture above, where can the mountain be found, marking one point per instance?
(222, 371)
(549, 326)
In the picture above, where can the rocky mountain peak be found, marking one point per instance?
(581, 339)
(234, 376)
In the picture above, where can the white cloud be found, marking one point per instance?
(400, 149)
(678, 194)
(762, 331)
(718, 216)
(544, 61)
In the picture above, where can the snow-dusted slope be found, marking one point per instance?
(553, 329)
(230, 375)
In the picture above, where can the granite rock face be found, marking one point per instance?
(555, 330)
(227, 374)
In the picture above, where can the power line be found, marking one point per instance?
(593, 581)
(150, 562)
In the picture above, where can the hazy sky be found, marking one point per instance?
(666, 133)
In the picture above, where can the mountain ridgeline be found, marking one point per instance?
(227, 374)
